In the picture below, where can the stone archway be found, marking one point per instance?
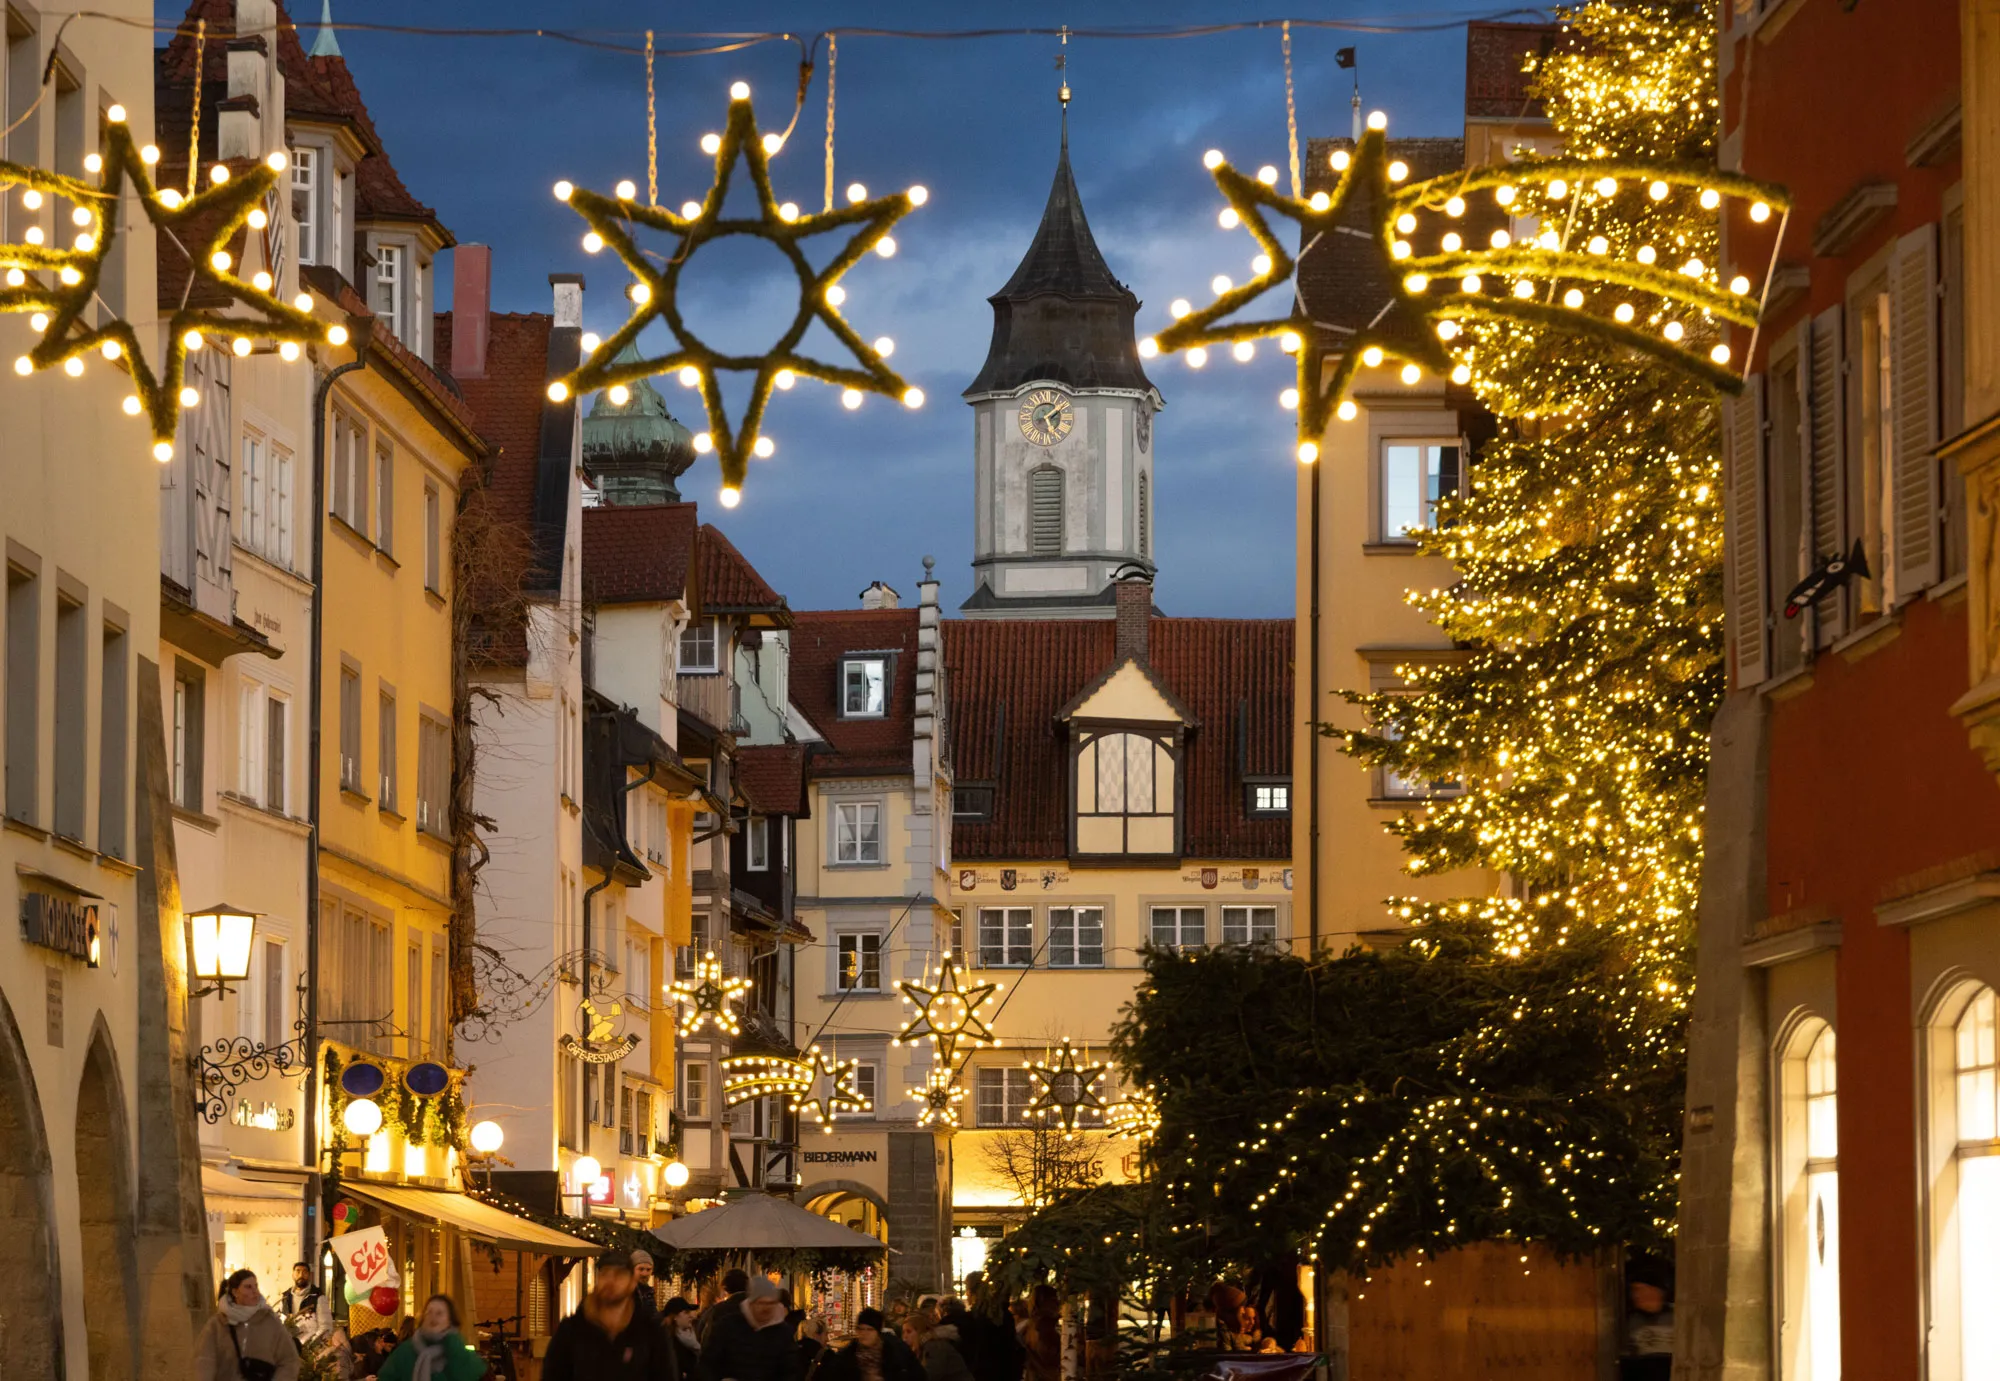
(104, 1215)
(31, 1333)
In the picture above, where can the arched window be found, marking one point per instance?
(1809, 1250)
(1125, 795)
(1977, 1152)
(1045, 511)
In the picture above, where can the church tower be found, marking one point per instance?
(1063, 430)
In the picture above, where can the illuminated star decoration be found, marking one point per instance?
(745, 1077)
(939, 1098)
(1578, 289)
(1065, 1090)
(597, 1046)
(706, 999)
(203, 225)
(948, 1012)
(655, 293)
(833, 1089)
(1136, 1115)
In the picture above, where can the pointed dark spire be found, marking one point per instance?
(1064, 315)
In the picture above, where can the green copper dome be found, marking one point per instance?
(636, 450)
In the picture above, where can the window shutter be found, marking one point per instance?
(1827, 438)
(1045, 511)
(1743, 496)
(1914, 387)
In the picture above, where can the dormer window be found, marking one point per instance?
(305, 201)
(385, 298)
(698, 644)
(1266, 799)
(1125, 794)
(864, 683)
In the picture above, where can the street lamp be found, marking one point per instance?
(586, 1172)
(220, 940)
(676, 1175)
(487, 1137)
(363, 1117)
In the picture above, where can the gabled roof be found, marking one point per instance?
(638, 554)
(1129, 690)
(856, 747)
(730, 584)
(1347, 282)
(1496, 58)
(773, 778)
(1010, 680)
(318, 89)
(1063, 316)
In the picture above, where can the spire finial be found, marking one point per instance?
(325, 45)
(1062, 92)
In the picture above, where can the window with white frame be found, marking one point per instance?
(434, 775)
(694, 1090)
(864, 687)
(1416, 475)
(385, 495)
(252, 497)
(866, 1082)
(433, 538)
(1398, 787)
(440, 1000)
(348, 457)
(860, 964)
(1809, 1246)
(639, 973)
(757, 844)
(1006, 937)
(1003, 1096)
(306, 166)
(385, 750)
(1270, 798)
(1076, 937)
(1249, 925)
(857, 832)
(698, 647)
(1180, 927)
(955, 937)
(385, 298)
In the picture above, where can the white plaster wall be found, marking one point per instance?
(633, 661)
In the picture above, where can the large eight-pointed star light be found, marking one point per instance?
(58, 286)
(656, 286)
(948, 1012)
(1667, 312)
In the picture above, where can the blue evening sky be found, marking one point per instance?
(481, 129)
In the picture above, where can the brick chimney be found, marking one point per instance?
(471, 305)
(568, 288)
(1135, 617)
(880, 596)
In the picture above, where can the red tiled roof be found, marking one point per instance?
(729, 583)
(441, 395)
(773, 777)
(637, 554)
(855, 747)
(1007, 680)
(1496, 55)
(318, 89)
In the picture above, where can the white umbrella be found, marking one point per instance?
(760, 1223)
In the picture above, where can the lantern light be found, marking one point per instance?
(487, 1137)
(362, 1116)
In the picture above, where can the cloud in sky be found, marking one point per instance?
(482, 128)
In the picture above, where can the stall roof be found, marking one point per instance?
(761, 1222)
(468, 1215)
(225, 1192)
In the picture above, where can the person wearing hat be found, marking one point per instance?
(875, 1354)
(751, 1341)
(643, 1298)
(607, 1339)
(677, 1322)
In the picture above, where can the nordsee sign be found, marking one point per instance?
(57, 923)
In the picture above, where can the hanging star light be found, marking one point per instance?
(939, 1098)
(1065, 1090)
(656, 286)
(835, 1089)
(202, 225)
(706, 998)
(745, 1077)
(1136, 1115)
(1547, 283)
(948, 1013)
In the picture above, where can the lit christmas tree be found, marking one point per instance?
(1515, 1070)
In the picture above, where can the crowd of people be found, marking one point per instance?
(631, 1328)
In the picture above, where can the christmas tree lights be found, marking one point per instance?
(656, 284)
(58, 286)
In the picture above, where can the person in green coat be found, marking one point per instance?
(437, 1351)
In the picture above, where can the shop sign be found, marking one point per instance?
(600, 1190)
(840, 1157)
(62, 924)
(635, 1193)
(268, 1118)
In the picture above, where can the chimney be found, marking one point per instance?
(471, 306)
(569, 299)
(880, 596)
(252, 93)
(925, 750)
(1135, 617)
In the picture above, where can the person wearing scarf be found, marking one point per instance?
(243, 1327)
(436, 1351)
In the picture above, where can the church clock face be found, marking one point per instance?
(1046, 417)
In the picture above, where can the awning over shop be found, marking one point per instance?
(225, 1192)
(471, 1217)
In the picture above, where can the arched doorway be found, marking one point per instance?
(30, 1290)
(842, 1294)
(104, 1213)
